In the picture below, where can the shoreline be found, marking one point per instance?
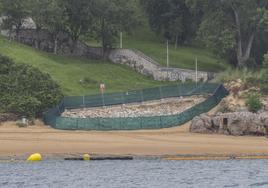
(170, 144)
(208, 157)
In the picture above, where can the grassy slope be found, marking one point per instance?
(69, 71)
(183, 57)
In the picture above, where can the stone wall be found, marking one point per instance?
(146, 66)
(237, 124)
(45, 42)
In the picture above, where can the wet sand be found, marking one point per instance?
(178, 141)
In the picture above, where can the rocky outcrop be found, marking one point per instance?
(147, 66)
(237, 124)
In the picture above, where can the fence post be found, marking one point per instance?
(141, 93)
(123, 98)
(160, 90)
(102, 96)
(178, 87)
(161, 123)
(84, 102)
(141, 122)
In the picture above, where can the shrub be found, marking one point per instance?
(253, 102)
(26, 90)
(234, 74)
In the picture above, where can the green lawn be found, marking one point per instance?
(155, 47)
(182, 57)
(68, 71)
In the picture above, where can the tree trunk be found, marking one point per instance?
(18, 34)
(10, 35)
(103, 36)
(37, 40)
(242, 54)
(239, 50)
(74, 41)
(176, 41)
(56, 45)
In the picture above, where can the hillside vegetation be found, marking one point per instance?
(68, 72)
(26, 90)
(183, 57)
(146, 41)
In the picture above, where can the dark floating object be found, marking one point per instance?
(100, 159)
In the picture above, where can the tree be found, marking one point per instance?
(266, 60)
(48, 15)
(119, 16)
(171, 18)
(79, 17)
(40, 11)
(231, 25)
(26, 90)
(14, 13)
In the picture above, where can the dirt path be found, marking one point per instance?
(175, 141)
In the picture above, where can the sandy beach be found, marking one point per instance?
(178, 141)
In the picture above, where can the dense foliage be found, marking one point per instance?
(253, 102)
(25, 90)
(104, 19)
(172, 19)
(233, 29)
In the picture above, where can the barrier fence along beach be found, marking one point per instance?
(215, 94)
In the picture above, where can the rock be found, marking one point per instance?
(236, 124)
(216, 121)
(202, 124)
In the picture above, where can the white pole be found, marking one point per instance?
(196, 71)
(121, 40)
(167, 54)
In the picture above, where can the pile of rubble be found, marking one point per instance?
(163, 107)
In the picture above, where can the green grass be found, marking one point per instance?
(68, 71)
(155, 47)
(182, 57)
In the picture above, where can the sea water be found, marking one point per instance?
(135, 174)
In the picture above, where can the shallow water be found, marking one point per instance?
(137, 173)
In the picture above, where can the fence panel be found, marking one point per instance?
(52, 116)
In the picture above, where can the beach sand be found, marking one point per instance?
(177, 141)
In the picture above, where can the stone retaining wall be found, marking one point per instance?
(146, 66)
(44, 41)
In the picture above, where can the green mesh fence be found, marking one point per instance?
(53, 118)
(139, 95)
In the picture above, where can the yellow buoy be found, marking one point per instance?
(86, 157)
(35, 157)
